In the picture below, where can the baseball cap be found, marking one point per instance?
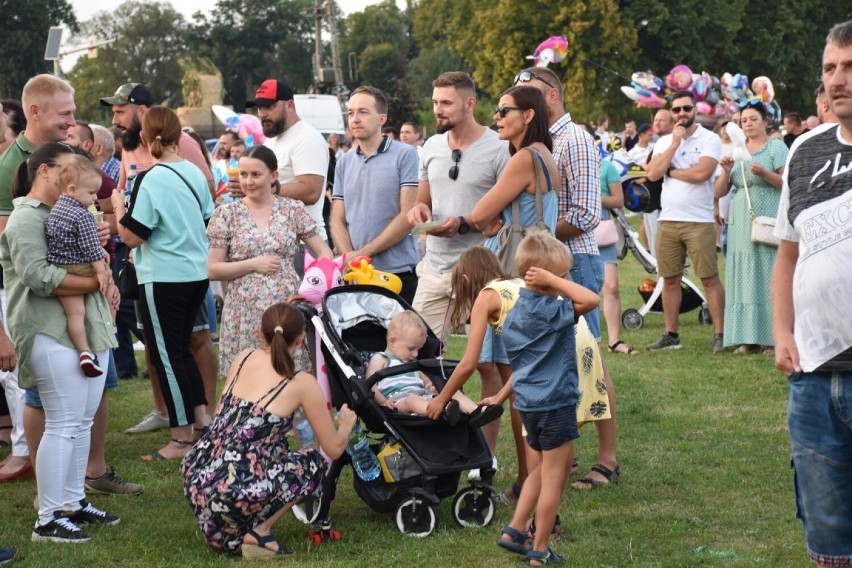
(645, 127)
(270, 91)
(135, 93)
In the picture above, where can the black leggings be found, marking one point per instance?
(168, 312)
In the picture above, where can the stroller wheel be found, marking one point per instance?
(473, 507)
(415, 517)
(704, 317)
(632, 319)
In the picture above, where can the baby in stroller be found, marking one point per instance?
(411, 392)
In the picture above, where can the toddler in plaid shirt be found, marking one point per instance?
(72, 243)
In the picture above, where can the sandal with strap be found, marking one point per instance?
(451, 412)
(260, 550)
(556, 533)
(157, 456)
(519, 542)
(549, 556)
(614, 348)
(611, 475)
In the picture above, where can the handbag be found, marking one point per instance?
(397, 464)
(606, 233)
(762, 227)
(510, 236)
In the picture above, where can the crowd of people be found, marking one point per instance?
(81, 204)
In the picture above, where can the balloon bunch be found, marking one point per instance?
(714, 96)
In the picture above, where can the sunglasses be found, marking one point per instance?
(684, 108)
(504, 110)
(527, 76)
(752, 102)
(454, 171)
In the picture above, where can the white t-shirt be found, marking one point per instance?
(681, 200)
(637, 154)
(302, 150)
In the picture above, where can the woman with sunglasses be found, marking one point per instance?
(748, 307)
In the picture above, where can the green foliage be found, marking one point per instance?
(431, 63)
(24, 37)
(253, 40)
(378, 23)
(149, 40)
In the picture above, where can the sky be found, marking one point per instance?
(85, 9)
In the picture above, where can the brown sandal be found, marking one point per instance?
(611, 475)
(614, 348)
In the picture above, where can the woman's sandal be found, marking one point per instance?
(614, 348)
(549, 556)
(611, 476)
(199, 433)
(260, 550)
(519, 542)
(157, 456)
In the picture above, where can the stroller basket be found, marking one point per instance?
(690, 301)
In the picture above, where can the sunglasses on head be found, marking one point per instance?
(684, 108)
(527, 76)
(504, 110)
(454, 171)
(752, 102)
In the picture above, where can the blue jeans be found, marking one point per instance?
(588, 271)
(819, 417)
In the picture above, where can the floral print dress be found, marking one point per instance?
(242, 471)
(233, 228)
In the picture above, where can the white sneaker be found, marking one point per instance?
(152, 422)
(474, 475)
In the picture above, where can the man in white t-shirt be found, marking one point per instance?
(301, 150)
(686, 160)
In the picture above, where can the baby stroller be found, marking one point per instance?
(429, 455)
(629, 241)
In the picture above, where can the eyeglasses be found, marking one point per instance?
(454, 171)
(504, 110)
(684, 108)
(752, 102)
(527, 76)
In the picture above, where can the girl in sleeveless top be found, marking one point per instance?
(242, 476)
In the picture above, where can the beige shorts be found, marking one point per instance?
(79, 269)
(676, 239)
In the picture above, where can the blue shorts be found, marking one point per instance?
(608, 255)
(820, 424)
(32, 399)
(588, 271)
(552, 428)
(493, 348)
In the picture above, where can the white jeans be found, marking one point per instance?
(14, 399)
(70, 401)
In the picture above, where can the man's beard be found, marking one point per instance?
(441, 128)
(132, 137)
(273, 128)
(689, 122)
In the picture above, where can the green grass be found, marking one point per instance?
(703, 449)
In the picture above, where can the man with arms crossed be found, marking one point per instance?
(810, 308)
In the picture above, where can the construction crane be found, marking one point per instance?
(327, 80)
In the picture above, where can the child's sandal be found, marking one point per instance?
(549, 556)
(519, 543)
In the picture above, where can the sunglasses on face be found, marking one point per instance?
(504, 110)
(454, 171)
(527, 76)
(684, 108)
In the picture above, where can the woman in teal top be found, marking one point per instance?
(46, 355)
(748, 270)
(169, 209)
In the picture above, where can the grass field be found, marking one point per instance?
(703, 449)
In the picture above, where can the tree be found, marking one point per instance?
(253, 40)
(24, 37)
(149, 40)
(431, 63)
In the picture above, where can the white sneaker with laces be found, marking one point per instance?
(152, 422)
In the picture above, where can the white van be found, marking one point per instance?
(323, 112)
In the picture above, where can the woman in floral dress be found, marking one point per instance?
(241, 477)
(253, 245)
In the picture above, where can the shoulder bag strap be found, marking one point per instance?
(745, 185)
(192, 191)
(536, 157)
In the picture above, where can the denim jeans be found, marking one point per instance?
(588, 271)
(819, 416)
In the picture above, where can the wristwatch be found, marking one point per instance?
(463, 226)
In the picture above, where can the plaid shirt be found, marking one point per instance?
(112, 168)
(72, 235)
(580, 168)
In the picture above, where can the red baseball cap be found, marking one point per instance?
(269, 92)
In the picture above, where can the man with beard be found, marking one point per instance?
(129, 103)
(686, 160)
(301, 150)
(457, 167)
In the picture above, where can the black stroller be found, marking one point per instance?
(429, 455)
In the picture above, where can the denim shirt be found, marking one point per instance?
(539, 338)
(30, 281)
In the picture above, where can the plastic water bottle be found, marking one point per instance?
(304, 432)
(131, 177)
(364, 461)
